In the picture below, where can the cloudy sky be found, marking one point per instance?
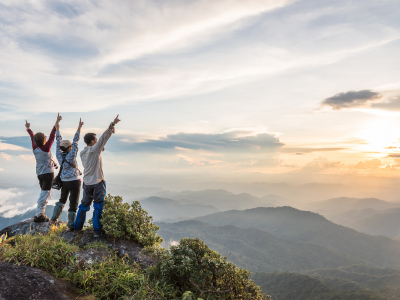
(271, 86)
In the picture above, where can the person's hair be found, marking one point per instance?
(89, 137)
(64, 150)
(38, 139)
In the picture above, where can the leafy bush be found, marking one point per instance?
(110, 279)
(131, 222)
(192, 266)
(47, 252)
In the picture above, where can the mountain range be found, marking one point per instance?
(304, 226)
(160, 208)
(257, 250)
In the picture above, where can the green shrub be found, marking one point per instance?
(111, 279)
(47, 252)
(192, 266)
(97, 245)
(131, 222)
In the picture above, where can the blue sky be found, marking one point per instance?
(228, 86)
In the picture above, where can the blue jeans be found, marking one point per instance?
(91, 193)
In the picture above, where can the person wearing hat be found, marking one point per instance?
(71, 183)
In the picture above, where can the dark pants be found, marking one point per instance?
(46, 181)
(73, 189)
(91, 193)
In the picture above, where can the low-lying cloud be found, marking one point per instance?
(352, 99)
(11, 202)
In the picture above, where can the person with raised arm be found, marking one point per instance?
(94, 184)
(44, 167)
(66, 153)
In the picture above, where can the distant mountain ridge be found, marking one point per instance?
(343, 204)
(222, 199)
(160, 208)
(305, 226)
(257, 250)
(385, 223)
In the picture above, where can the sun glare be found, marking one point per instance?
(380, 134)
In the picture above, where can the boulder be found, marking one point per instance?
(27, 226)
(122, 247)
(26, 283)
(90, 256)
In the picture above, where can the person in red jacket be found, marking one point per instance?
(44, 167)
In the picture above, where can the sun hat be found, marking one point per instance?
(65, 144)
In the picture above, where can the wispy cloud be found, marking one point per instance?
(233, 141)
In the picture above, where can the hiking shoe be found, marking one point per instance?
(70, 229)
(41, 218)
(97, 235)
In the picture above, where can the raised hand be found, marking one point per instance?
(59, 118)
(27, 125)
(116, 120)
(80, 124)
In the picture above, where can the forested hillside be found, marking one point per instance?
(258, 250)
(292, 286)
(305, 226)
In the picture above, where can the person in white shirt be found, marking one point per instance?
(94, 185)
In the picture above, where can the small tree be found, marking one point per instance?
(192, 266)
(131, 222)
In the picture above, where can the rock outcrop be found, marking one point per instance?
(26, 227)
(26, 283)
(122, 247)
(23, 282)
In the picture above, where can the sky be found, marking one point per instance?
(302, 87)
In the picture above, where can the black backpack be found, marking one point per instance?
(57, 182)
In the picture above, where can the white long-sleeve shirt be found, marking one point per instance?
(91, 160)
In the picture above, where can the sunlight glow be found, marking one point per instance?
(380, 134)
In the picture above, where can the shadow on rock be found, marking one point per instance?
(23, 283)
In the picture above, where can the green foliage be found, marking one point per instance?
(97, 245)
(192, 266)
(110, 279)
(47, 252)
(131, 222)
(113, 278)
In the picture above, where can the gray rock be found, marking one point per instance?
(26, 283)
(90, 257)
(122, 247)
(27, 227)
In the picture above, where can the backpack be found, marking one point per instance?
(57, 182)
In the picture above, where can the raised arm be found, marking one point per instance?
(74, 149)
(28, 128)
(49, 143)
(105, 136)
(58, 150)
